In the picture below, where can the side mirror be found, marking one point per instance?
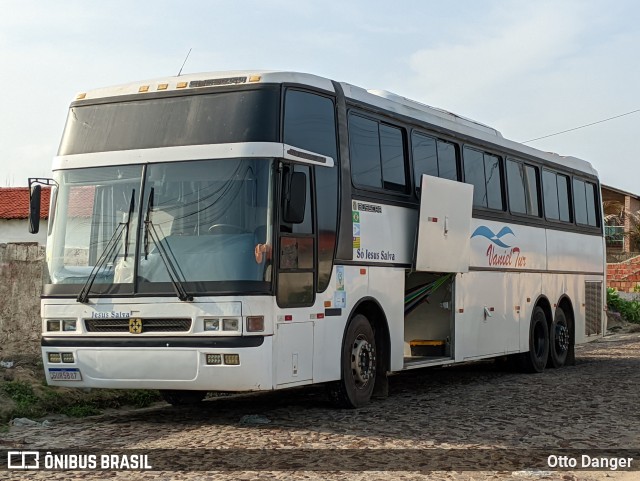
(34, 209)
(295, 197)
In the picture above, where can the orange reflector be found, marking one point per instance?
(255, 78)
(143, 88)
(81, 96)
(163, 86)
(327, 303)
(460, 311)
(182, 85)
(528, 299)
(517, 308)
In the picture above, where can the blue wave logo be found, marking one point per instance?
(484, 231)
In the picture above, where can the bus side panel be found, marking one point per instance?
(489, 324)
(344, 292)
(386, 285)
(570, 251)
(529, 291)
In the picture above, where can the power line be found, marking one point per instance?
(582, 126)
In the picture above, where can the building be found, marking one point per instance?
(14, 215)
(622, 222)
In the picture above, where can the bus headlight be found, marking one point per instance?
(54, 326)
(69, 325)
(212, 324)
(230, 324)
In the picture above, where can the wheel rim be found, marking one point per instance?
(363, 361)
(562, 338)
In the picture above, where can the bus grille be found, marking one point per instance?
(148, 325)
(593, 308)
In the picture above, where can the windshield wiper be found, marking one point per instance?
(109, 251)
(150, 231)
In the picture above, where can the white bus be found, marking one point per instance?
(247, 231)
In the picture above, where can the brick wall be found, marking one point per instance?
(624, 276)
(21, 268)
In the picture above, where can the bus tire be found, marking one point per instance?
(358, 366)
(183, 398)
(536, 359)
(559, 339)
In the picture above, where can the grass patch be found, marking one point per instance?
(25, 394)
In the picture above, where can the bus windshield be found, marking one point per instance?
(209, 218)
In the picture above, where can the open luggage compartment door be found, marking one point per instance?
(444, 226)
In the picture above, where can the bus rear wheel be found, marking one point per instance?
(358, 366)
(536, 359)
(559, 339)
(183, 398)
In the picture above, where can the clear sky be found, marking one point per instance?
(527, 68)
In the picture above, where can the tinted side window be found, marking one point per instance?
(377, 154)
(494, 184)
(563, 198)
(580, 201)
(593, 211)
(516, 186)
(550, 189)
(309, 122)
(523, 188)
(474, 174)
(447, 164)
(483, 171)
(584, 201)
(433, 157)
(392, 154)
(425, 160)
(531, 189)
(364, 147)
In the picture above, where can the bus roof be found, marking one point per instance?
(380, 99)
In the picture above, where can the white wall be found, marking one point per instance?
(17, 230)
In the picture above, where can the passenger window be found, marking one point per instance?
(364, 147)
(550, 189)
(483, 171)
(392, 155)
(433, 157)
(584, 201)
(522, 181)
(377, 154)
(563, 198)
(556, 196)
(580, 202)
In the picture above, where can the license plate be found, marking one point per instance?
(68, 374)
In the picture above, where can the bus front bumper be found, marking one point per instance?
(174, 363)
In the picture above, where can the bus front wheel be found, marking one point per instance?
(358, 366)
(536, 359)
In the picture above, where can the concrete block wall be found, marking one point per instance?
(21, 269)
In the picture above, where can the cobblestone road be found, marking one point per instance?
(473, 412)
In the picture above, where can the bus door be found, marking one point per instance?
(295, 275)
